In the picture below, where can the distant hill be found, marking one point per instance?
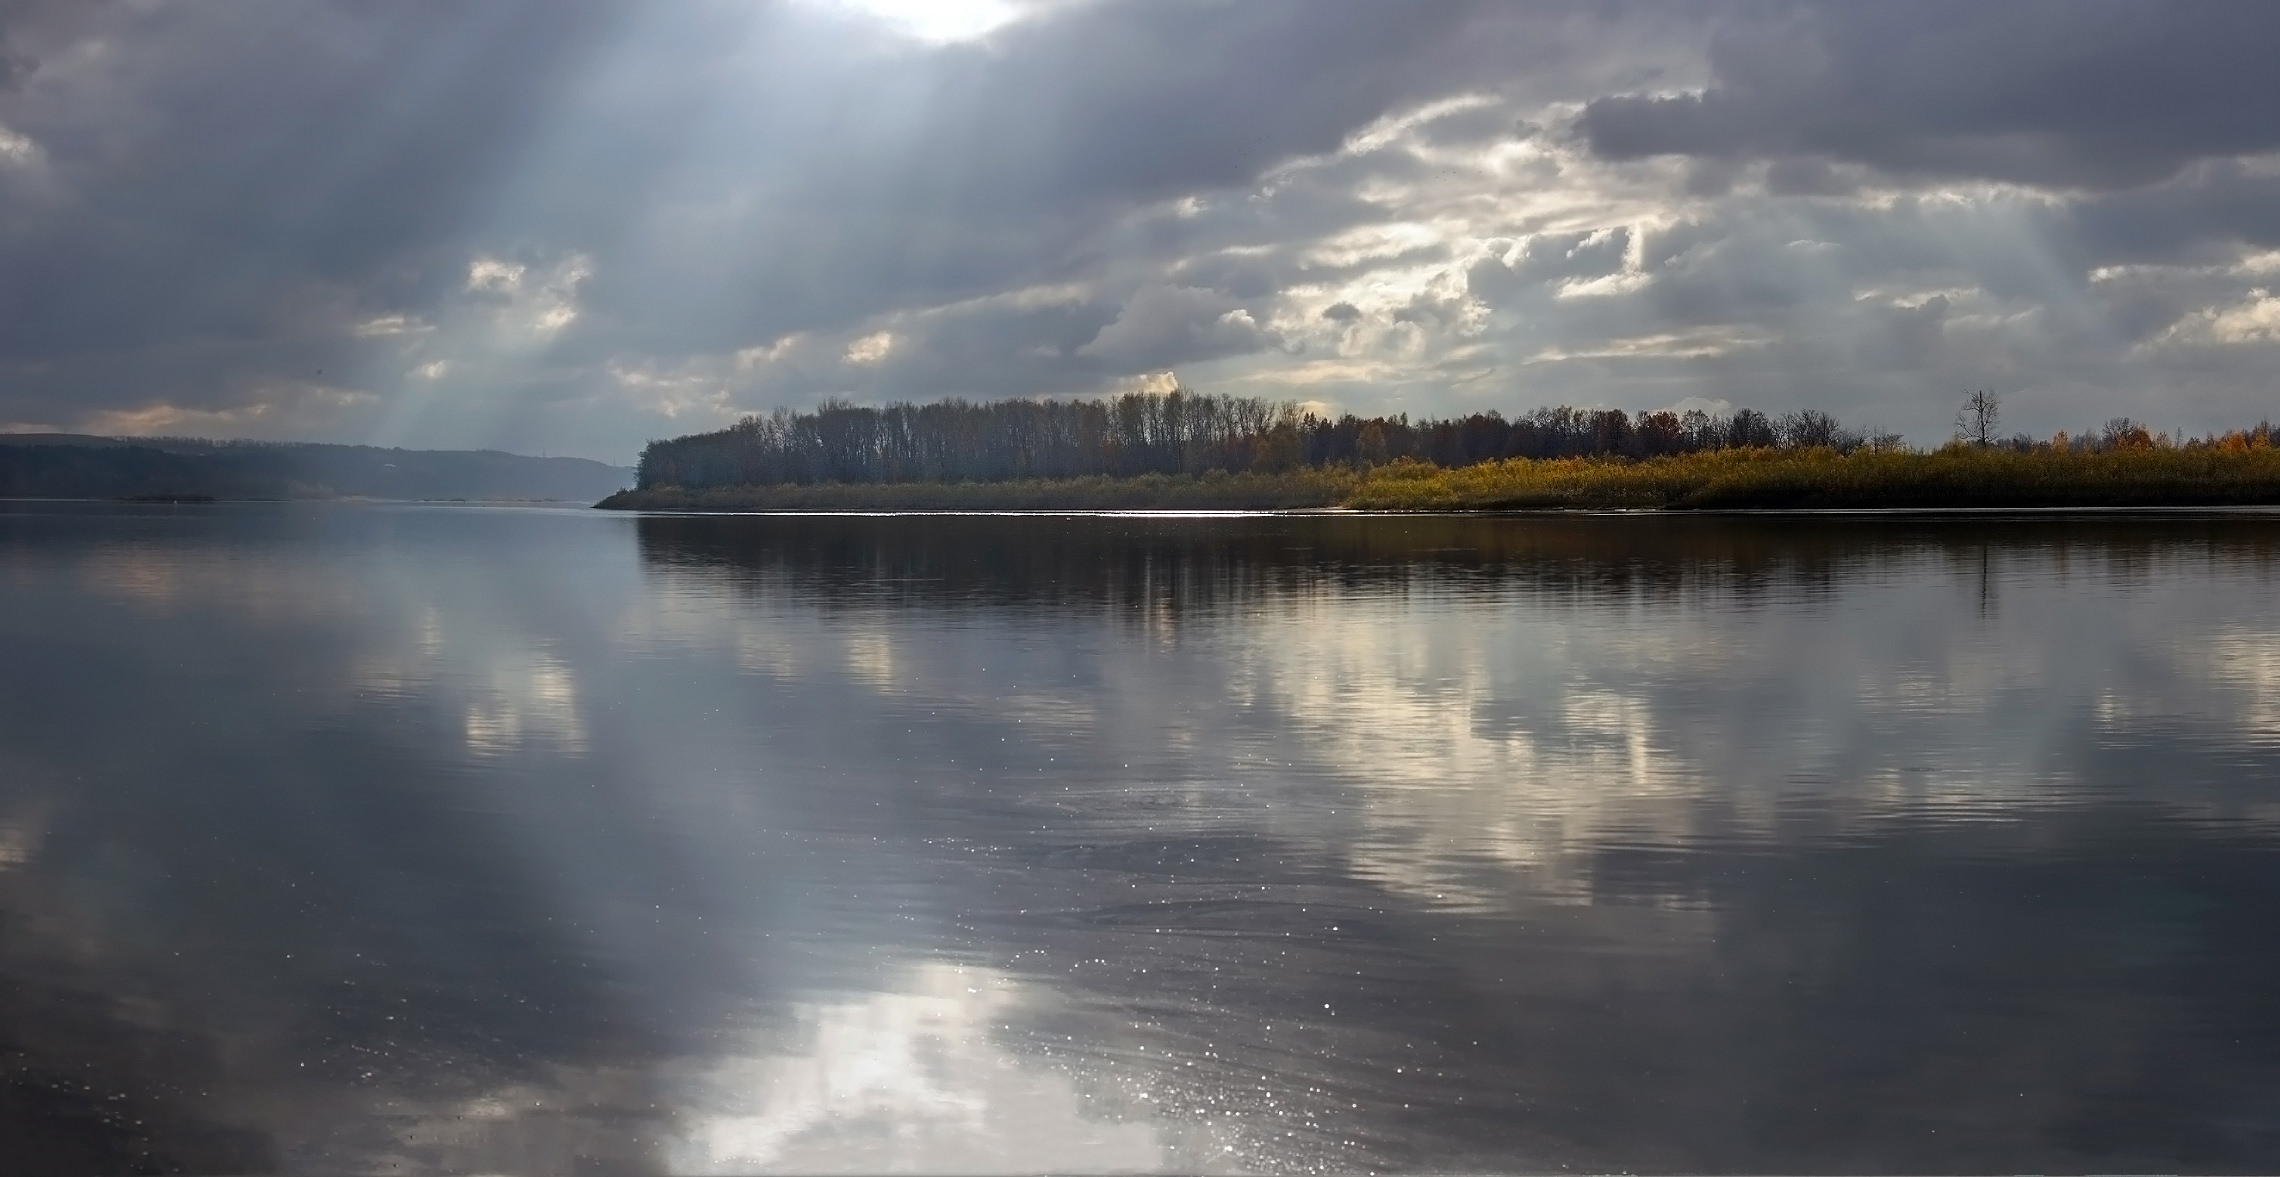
(67, 465)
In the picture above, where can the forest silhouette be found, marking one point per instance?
(1181, 432)
(1188, 450)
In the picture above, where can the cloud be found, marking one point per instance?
(2089, 93)
(276, 411)
(871, 348)
(1163, 325)
(2254, 320)
(17, 150)
(1434, 207)
(492, 277)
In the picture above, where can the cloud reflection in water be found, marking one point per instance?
(906, 1081)
(1260, 844)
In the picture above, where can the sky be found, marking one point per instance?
(571, 226)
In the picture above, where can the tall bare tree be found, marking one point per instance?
(1976, 422)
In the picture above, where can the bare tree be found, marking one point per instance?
(1976, 423)
(1808, 428)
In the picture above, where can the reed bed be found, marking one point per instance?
(1734, 479)
(1952, 477)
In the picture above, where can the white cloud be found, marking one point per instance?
(871, 348)
(2254, 320)
(1696, 404)
(697, 389)
(489, 275)
(1604, 286)
(17, 148)
(555, 305)
(383, 326)
(753, 357)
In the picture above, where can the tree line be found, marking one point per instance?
(1181, 432)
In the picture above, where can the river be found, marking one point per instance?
(382, 838)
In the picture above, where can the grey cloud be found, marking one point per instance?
(1169, 324)
(225, 170)
(1904, 338)
(985, 350)
(1549, 258)
(1876, 310)
(2199, 216)
(1473, 126)
(28, 26)
(231, 198)
(1807, 176)
(2097, 93)
(982, 168)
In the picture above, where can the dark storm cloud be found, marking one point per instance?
(2096, 93)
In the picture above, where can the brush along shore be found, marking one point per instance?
(1739, 479)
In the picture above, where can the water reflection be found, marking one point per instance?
(909, 1080)
(359, 839)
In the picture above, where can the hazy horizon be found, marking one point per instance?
(570, 228)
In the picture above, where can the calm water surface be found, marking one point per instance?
(346, 838)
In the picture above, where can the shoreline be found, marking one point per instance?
(1763, 480)
(2232, 510)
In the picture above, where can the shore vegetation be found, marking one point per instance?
(1178, 452)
